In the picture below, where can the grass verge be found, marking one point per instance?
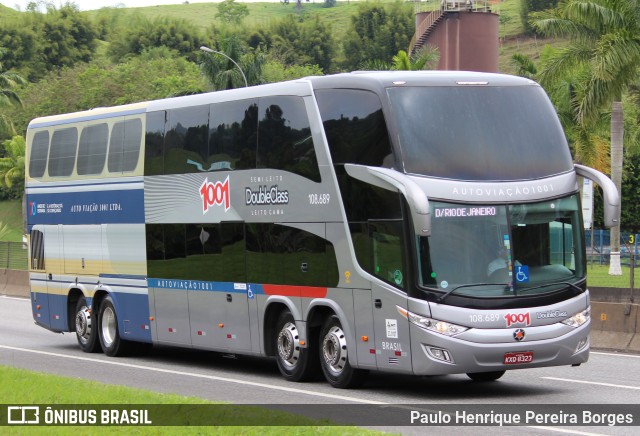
(598, 276)
(11, 215)
(22, 387)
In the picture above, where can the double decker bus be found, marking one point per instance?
(420, 223)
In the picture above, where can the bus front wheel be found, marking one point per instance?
(485, 376)
(86, 328)
(295, 362)
(334, 357)
(112, 344)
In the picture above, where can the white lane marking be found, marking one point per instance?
(15, 298)
(592, 383)
(637, 356)
(248, 383)
(204, 376)
(566, 430)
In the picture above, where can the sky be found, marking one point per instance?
(86, 5)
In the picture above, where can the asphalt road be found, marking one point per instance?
(608, 378)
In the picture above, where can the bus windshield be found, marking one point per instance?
(479, 132)
(503, 250)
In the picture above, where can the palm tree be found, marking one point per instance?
(222, 73)
(8, 97)
(525, 67)
(424, 59)
(12, 165)
(605, 42)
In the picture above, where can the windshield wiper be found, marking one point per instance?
(572, 285)
(441, 298)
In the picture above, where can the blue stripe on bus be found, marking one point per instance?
(132, 311)
(198, 285)
(87, 118)
(95, 207)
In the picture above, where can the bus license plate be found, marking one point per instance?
(518, 357)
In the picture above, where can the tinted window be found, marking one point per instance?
(186, 140)
(363, 202)
(124, 146)
(380, 250)
(208, 252)
(479, 132)
(39, 154)
(355, 127)
(233, 135)
(154, 144)
(37, 250)
(285, 255)
(284, 137)
(62, 158)
(92, 150)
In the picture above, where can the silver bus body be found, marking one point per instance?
(149, 224)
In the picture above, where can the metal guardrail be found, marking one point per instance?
(13, 255)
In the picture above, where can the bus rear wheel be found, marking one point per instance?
(334, 357)
(485, 376)
(112, 344)
(295, 362)
(86, 328)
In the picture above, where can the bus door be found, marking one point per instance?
(391, 329)
(38, 276)
(219, 313)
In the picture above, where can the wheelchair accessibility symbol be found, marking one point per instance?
(522, 274)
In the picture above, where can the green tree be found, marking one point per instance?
(65, 37)
(378, 32)
(425, 59)
(274, 71)
(529, 6)
(156, 73)
(8, 97)
(222, 73)
(317, 45)
(604, 42)
(524, 66)
(143, 34)
(231, 12)
(20, 44)
(12, 166)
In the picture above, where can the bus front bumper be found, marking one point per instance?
(436, 354)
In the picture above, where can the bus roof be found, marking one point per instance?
(384, 79)
(371, 80)
(92, 114)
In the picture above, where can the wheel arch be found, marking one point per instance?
(75, 293)
(273, 308)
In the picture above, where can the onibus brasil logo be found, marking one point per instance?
(215, 194)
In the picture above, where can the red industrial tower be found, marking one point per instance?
(464, 31)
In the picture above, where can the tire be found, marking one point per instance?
(86, 328)
(334, 357)
(295, 362)
(110, 341)
(485, 376)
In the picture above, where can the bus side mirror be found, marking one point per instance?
(393, 180)
(609, 194)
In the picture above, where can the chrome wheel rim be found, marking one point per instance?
(109, 326)
(334, 350)
(289, 345)
(83, 324)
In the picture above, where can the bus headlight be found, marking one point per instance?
(434, 325)
(578, 319)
